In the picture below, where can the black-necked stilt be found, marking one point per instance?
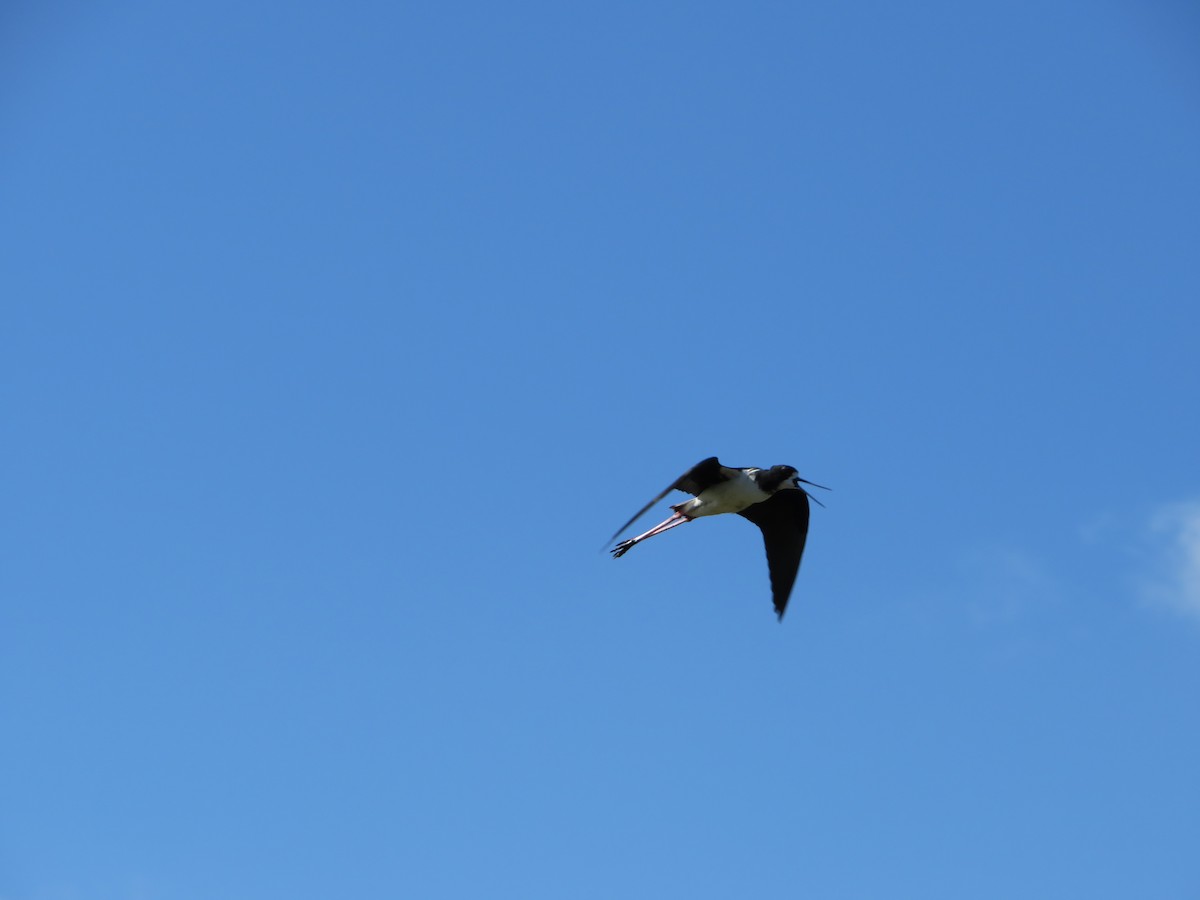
(770, 498)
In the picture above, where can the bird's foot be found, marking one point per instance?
(622, 548)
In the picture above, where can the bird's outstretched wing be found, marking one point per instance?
(699, 477)
(783, 520)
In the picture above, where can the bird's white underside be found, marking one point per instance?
(730, 496)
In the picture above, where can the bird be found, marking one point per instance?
(772, 499)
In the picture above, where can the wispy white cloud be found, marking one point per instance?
(1007, 584)
(1175, 580)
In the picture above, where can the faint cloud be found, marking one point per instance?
(1100, 528)
(1007, 584)
(1175, 579)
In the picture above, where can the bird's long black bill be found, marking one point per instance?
(809, 493)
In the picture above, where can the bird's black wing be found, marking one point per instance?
(703, 475)
(699, 477)
(784, 522)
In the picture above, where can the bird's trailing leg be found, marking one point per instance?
(677, 518)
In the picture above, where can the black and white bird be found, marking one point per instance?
(770, 498)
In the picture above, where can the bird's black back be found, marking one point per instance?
(703, 475)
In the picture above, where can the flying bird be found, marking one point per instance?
(770, 498)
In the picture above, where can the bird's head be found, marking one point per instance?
(789, 478)
(776, 478)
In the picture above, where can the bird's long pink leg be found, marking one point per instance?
(676, 519)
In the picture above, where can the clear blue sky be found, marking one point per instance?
(336, 338)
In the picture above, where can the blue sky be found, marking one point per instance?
(337, 338)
